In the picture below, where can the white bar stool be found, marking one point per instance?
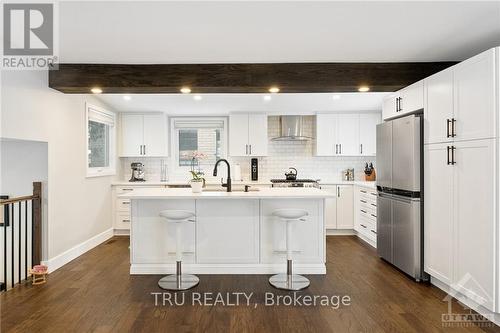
(178, 281)
(289, 281)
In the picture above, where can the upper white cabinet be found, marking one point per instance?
(326, 135)
(346, 134)
(475, 96)
(248, 135)
(144, 135)
(368, 133)
(438, 111)
(460, 101)
(404, 101)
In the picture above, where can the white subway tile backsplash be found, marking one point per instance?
(281, 156)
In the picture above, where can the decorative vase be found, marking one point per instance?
(196, 186)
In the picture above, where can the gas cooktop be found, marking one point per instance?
(293, 181)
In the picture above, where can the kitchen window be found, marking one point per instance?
(198, 142)
(101, 138)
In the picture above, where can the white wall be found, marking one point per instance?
(79, 208)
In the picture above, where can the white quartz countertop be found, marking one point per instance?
(186, 193)
(366, 184)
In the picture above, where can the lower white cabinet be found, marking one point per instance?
(235, 228)
(121, 207)
(339, 210)
(460, 217)
(365, 214)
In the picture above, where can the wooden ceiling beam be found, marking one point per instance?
(240, 78)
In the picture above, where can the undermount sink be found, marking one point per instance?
(222, 189)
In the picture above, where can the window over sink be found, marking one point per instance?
(198, 143)
(101, 138)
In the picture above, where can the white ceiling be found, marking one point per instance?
(222, 104)
(283, 31)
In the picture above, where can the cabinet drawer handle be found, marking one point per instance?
(373, 231)
(362, 191)
(363, 201)
(127, 189)
(364, 226)
(373, 215)
(375, 194)
(126, 220)
(125, 203)
(374, 205)
(363, 211)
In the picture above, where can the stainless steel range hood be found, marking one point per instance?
(292, 129)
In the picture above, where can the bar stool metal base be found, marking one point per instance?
(289, 282)
(178, 282)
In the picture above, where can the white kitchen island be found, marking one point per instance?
(233, 233)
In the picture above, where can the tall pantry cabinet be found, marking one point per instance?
(461, 177)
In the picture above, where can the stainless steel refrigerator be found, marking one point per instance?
(399, 200)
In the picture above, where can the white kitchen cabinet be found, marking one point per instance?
(368, 133)
(461, 101)
(475, 227)
(404, 101)
(144, 135)
(220, 242)
(257, 134)
(438, 111)
(438, 212)
(365, 214)
(459, 216)
(411, 98)
(132, 135)
(121, 207)
(330, 207)
(348, 134)
(326, 134)
(345, 207)
(339, 210)
(389, 106)
(475, 93)
(248, 135)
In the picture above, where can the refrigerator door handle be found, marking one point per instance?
(453, 155)
(448, 122)
(448, 155)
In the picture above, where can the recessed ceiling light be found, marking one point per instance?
(197, 97)
(267, 97)
(185, 90)
(274, 90)
(364, 89)
(96, 90)
(127, 97)
(336, 97)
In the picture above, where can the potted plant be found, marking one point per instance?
(197, 182)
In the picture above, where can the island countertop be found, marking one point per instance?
(186, 193)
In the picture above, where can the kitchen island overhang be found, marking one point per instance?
(232, 233)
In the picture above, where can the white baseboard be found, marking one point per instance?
(309, 269)
(340, 232)
(367, 240)
(495, 317)
(76, 251)
(122, 232)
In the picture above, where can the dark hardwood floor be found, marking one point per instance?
(95, 293)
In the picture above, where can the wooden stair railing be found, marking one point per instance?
(22, 221)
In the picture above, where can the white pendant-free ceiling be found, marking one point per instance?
(282, 31)
(223, 104)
